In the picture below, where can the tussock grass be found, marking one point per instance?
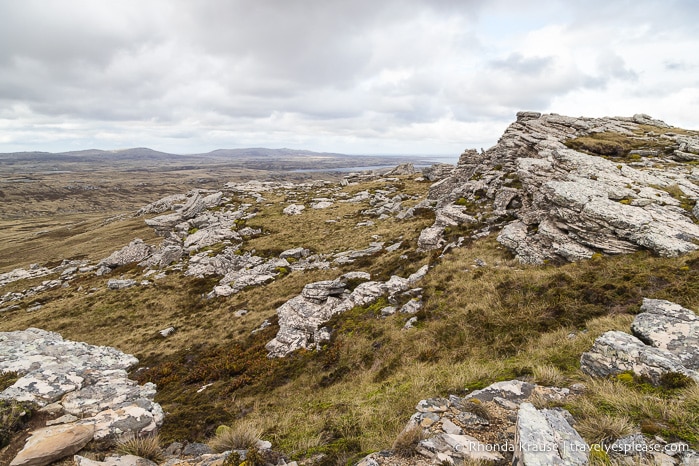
(622, 405)
(242, 435)
(407, 441)
(145, 447)
(603, 428)
(547, 374)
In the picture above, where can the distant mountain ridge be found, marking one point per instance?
(147, 152)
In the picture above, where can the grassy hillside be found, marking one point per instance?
(486, 318)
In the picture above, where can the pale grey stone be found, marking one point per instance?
(293, 209)
(135, 251)
(615, 352)
(671, 327)
(544, 437)
(116, 284)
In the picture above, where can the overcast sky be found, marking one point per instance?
(351, 76)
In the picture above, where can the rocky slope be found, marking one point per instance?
(564, 188)
(554, 188)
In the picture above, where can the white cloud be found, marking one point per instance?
(414, 76)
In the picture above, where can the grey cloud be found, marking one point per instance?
(243, 69)
(516, 63)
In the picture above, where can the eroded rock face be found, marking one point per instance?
(301, 318)
(557, 203)
(667, 343)
(87, 382)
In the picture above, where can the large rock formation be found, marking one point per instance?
(665, 341)
(554, 202)
(87, 383)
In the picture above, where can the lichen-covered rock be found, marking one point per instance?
(209, 237)
(162, 205)
(89, 382)
(671, 327)
(544, 437)
(452, 425)
(667, 342)
(615, 352)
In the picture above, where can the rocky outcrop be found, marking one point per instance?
(402, 169)
(665, 342)
(437, 171)
(135, 251)
(301, 318)
(556, 203)
(34, 271)
(89, 383)
(162, 205)
(195, 202)
(670, 327)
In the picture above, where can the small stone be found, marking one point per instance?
(410, 323)
(196, 449)
(451, 428)
(167, 332)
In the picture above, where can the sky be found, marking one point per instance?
(423, 77)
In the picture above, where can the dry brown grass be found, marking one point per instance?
(549, 375)
(603, 428)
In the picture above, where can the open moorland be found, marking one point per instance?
(326, 317)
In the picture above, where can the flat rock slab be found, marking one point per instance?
(53, 443)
